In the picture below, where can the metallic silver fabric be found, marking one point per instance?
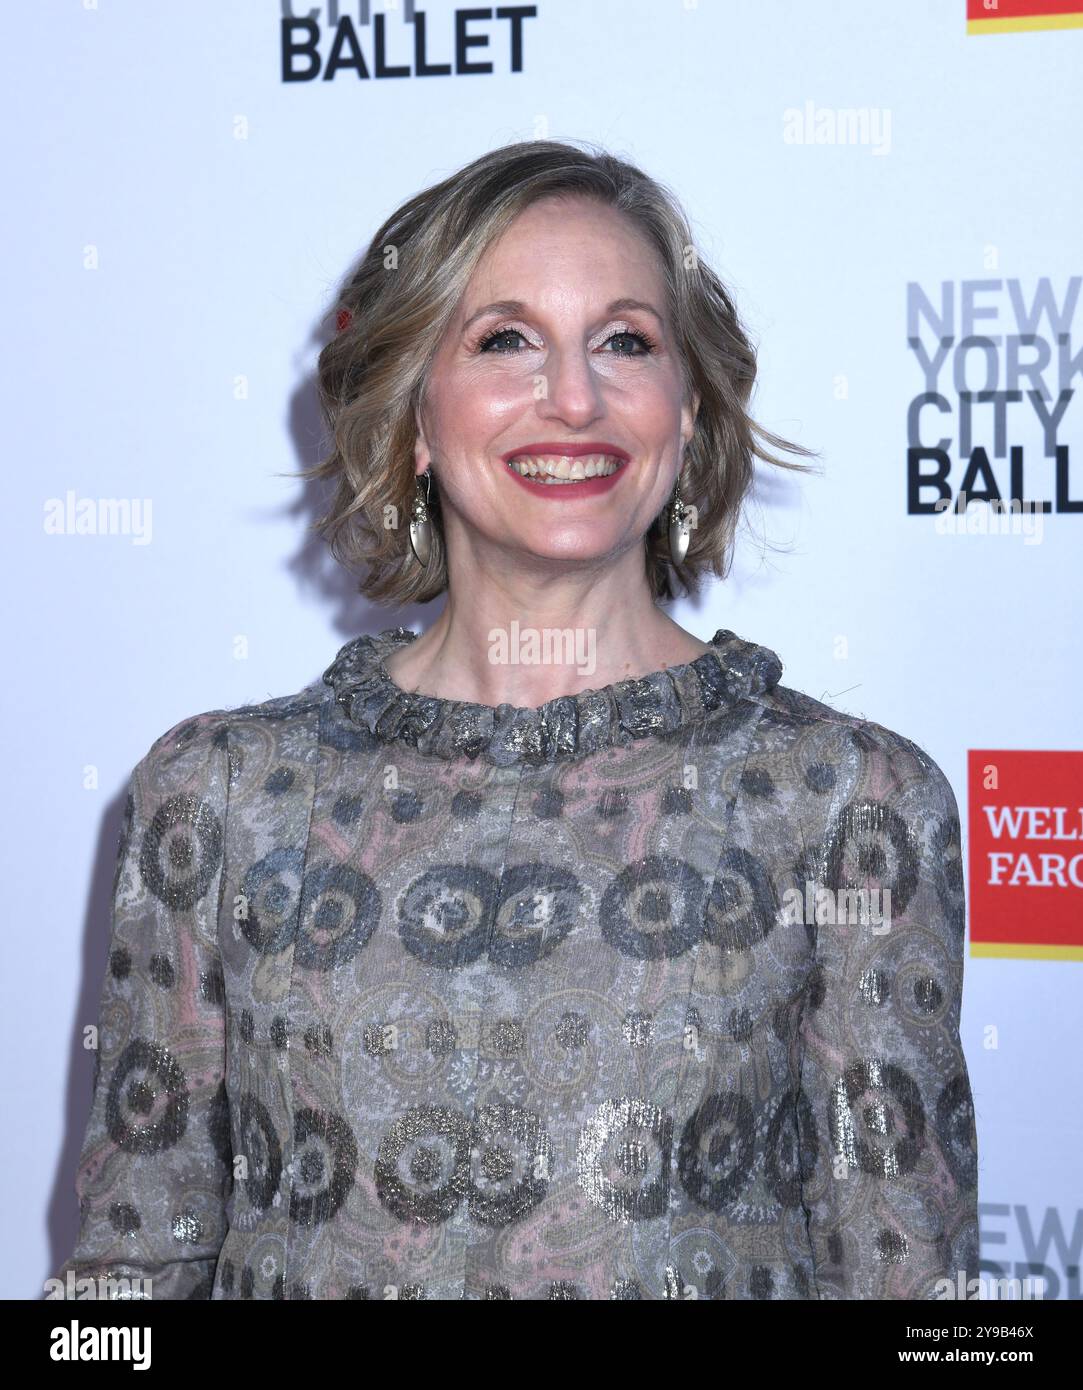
(413, 998)
(568, 727)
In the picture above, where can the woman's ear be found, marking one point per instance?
(689, 411)
(422, 452)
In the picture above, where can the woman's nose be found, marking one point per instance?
(569, 387)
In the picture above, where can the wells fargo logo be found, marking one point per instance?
(1026, 854)
(1012, 16)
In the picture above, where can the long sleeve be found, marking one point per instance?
(155, 1167)
(887, 1114)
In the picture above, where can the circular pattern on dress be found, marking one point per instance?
(422, 1166)
(124, 1218)
(955, 1127)
(181, 851)
(394, 1036)
(891, 1246)
(323, 1167)
(869, 840)
(271, 893)
(699, 1261)
(262, 1151)
(654, 908)
(218, 1124)
(948, 857)
(575, 1050)
(280, 780)
(511, 1164)
(743, 906)
(882, 1101)
(446, 913)
(793, 1148)
(145, 1075)
(340, 909)
(572, 1031)
(160, 970)
(928, 996)
(263, 1272)
(629, 1289)
(538, 907)
(820, 777)
(623, 1159)
(717, 1148)
(187, 1226)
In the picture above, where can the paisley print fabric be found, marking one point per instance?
(650, 992)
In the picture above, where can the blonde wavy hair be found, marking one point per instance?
(395, 305)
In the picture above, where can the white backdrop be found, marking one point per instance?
(178, 219)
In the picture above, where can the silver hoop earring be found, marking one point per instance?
(679, 529)
(420, 525)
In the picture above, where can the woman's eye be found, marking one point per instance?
(503, 333)
(631, 337)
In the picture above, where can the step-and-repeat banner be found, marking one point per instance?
(891, 191)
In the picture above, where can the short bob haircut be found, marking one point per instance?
(393, 310)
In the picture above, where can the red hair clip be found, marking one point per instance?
(345, 318)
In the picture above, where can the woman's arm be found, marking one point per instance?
(156, 1167)
(888, 1119)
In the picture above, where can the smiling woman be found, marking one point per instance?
(488, 292)
(537, 967)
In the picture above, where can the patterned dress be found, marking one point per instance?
(649, 992)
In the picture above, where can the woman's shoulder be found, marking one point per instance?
(878, 760)
(192, 745)
(874, 799)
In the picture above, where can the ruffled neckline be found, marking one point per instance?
(567, 727)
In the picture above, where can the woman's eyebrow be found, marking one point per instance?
(619, 305)
(517, 307)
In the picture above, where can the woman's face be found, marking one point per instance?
(567, 365)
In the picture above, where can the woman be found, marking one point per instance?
(553, 953)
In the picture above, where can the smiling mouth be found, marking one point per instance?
(553, 470)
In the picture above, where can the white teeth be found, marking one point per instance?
(557, 469)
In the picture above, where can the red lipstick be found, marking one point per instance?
(586, 487)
